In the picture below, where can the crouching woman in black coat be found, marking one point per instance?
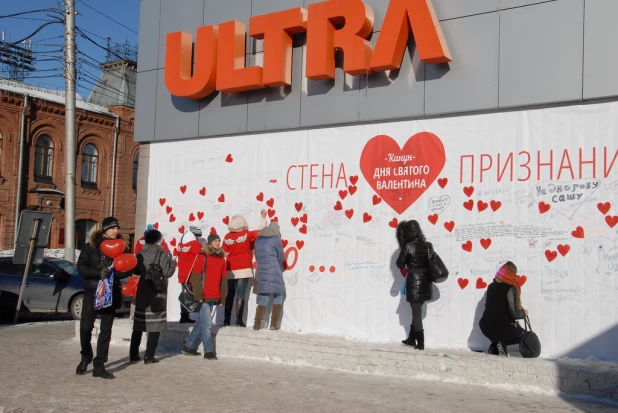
(414, 255)
(502, 308)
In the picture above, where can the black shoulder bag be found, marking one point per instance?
(436, 268)
(530, 345)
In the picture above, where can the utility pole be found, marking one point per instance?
(70, 139)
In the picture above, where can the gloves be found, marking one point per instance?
(105, 272)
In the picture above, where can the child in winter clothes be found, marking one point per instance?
(210, 289)
(190, 258)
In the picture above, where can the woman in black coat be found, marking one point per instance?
(414, 255)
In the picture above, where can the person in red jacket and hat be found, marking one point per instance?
(190, 259)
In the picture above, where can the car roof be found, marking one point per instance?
(51, 260)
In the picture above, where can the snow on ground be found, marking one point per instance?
(52, 253)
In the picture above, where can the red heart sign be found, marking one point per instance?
(303, 219)
(181, 229)
(604, 207)
(463, 282)
(338, 206)
(156, 225)
(221, 198)
(349, 213)
(260, 197)
(172, 218)
(270, 202)
(226, 220)
(352, 189)
(449, 226)
(353, 179)
(482, 206)
(229, 158)
(300, 244)
(442, 182)
(183, 189)
(191, 217)
(485, 242)
(522, 280)
(294, 221)
(480, 284)
(393, 223)
(578, 233)
(469, 204)
(284, 243)
(200, 215)
(173, 242)
(342, 194)
(564, 249)
(168, 209)
(495, 205)
(433, 218)
(271, 213)
(401, 175)
(543, 207)
(298, 206)
(468, 190)
(467, 246)
(611, 220)
(376, 200)
(303, 229)
(161, 202)
(366, 217)
(550, 255)
(203, 191)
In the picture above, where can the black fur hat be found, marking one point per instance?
(152, 236)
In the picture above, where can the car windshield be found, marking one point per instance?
(68, 267)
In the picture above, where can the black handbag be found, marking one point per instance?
(186, 297)
(530, 345)
(436, 268)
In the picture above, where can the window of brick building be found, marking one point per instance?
(135, 168)
(90, 162)
(43, 159)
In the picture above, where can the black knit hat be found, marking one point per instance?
(110, 222)
(213, 237)
(152, 236)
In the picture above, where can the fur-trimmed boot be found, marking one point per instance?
(240, 312)
(410, 341)
(420, 340)
(259, 314)
(274, 316)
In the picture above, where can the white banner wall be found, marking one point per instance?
(537, 187)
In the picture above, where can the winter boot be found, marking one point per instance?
(274, 316)
(420, 340)
(501, 349)
(102, 373)
(410, 341)
(493, 350)
(184, 319)
(259, 313)
(240, 312)
(81, 368)
(228, 312)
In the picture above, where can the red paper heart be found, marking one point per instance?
(366, 217)
(495, 205)
(161, 202)
(181, 229)
(468, 190)
(175, 252)
(275, 219)
(353, 179)
(352, 189)
(270, 202)
(213, 230)
(294, 221)
(433, 218)
(338, 206)
(449, 226)
(482, 206)
(467, 246)
(578, 233)
(304, 218)
(611, 220)
(156, 225)
(604, 207)
(303, 229)
(343, 193)
(298, 206)
(183, 189)
(469, 204)
(172, 218)
(442, 182)
(229, 158)
(168, 209)
(221, 198)
(300, 244)
(349, 213)
(463, 282)
(480, 284)
(226, 220)
(543, 207)
(485, 242)
(422, 150)
(173, 242)
(271, 213)
(550, 255)
(564, 249)
(393, 223)
(203, 191)
(522, 280)
(191, 217)
(200, 215)
(260, 197)
(284, 243)
(376, 200)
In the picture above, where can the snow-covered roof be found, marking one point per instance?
(49, 95)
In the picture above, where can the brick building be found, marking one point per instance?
(102, 188)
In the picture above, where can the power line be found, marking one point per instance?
(85, 36)
(104, 15)
(30, 12)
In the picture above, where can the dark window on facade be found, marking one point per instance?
(90, 163)
(135, 168)
(43, 158)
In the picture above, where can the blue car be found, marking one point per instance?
(54, 285)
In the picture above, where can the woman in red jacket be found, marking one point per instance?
(238, 244)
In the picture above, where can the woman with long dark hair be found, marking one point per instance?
(414, 255)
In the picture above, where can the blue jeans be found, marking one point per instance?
(262, 299)
(202, 329)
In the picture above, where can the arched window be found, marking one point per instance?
(135, 168)
(90, 162)
(43, 158)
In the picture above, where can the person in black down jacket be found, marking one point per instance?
(414, 254)
(93, 265)
(502, 308)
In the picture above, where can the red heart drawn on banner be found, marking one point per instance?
(550, 255)
(442, 182)
(393, 223)
(495, 205)
(156, 225)
(468, 190)
(191, 217)
(611, 220)
(543, 207)
(298, 206)
(226, 220)
(349, 213)
(270, 202)
(352, 189)
(604, 207)
(260, 197)
(200, 215)
(284, 243)
(578, 233)
(485, 242)
(418, 164)
(463, 282)
(173, 242)
(366, 217)
(300, 244)
(203, 191)
(469, 204)
(480, 284)
(181, 229)
(564, 249)
(229, 158)
(467, 246)
(271, 213)
(342, 194)
(449, 226)
(172, 218)
(168, 209)
(275, 219)
(161, 202)
(294, 221)
(213, 230)
(304, 219)
(353, 179)
(482, 206)
(303, 229)
(433, 218)
(221, 198)
(183, 189)
(376, 200)
(175, 253)
(522, 280)
(338, 206)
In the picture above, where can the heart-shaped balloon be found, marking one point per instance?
(130, 288)
(113, 247)
(125, 262)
